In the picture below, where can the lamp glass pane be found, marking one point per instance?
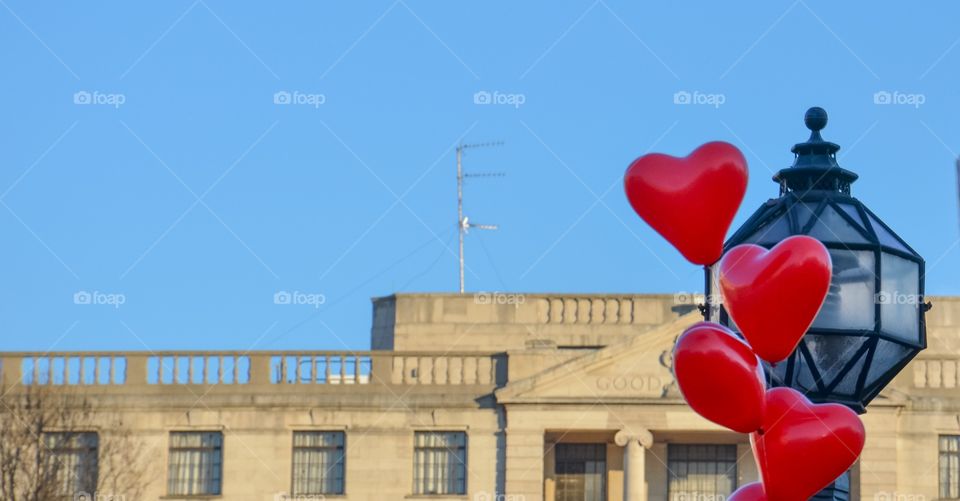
(801, 212)
(780, 370)
(887, 355)
(854, 214)
(899, 297)
(832, 227)
(850, 301)
(832, 354)
(848, 385)
(886, 238)
(770, 233)
(803, 380)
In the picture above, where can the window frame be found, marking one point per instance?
(734, 471)
(940, 469)
(416, 490)
(293, 461)
(55, 450)
(171, 449)
(603, 450)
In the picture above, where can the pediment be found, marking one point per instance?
(636, 369)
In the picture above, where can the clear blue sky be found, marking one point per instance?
(184, 188)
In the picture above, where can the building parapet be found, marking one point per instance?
(106, 370)
(508, 321)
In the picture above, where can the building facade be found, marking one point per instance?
(469, 397)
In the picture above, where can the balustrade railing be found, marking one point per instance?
(936, 373)
(286, 368)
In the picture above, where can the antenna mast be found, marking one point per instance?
(463, 222)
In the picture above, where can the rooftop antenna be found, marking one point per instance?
(463, 222)
(958, 183)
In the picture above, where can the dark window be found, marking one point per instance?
(440, 462)
(706, 471)
(318, 462)
(581, 472)
(950, 467)
(73, 462)
(196, 463)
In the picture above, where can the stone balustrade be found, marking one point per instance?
(936, 373)
(286, 368)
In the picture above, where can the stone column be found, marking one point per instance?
(634, 443)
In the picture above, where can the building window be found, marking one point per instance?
(440, 462)
(196, 463)
(701, 471)
(581, 472)
(950, 467)
(318, 462)
(73, 462)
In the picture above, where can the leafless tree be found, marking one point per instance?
(55, 446)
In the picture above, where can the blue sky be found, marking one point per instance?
(143, 156)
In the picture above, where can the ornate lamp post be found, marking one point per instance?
(872, 322)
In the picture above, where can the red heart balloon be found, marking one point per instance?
(749, 492)
(773, 296)
(720, 377)
(690, 201)
(803, 447)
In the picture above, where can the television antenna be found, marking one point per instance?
(463, 222)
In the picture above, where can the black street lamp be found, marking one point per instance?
(872, 322)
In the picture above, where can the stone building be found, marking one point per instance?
(473, 397)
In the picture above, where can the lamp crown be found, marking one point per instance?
(815, 164)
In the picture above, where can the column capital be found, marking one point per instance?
(640, 434)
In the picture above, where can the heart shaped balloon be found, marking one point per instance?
(690, 201)
(749, 492)
(803, 447)
(720, 377)
(774, 296)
